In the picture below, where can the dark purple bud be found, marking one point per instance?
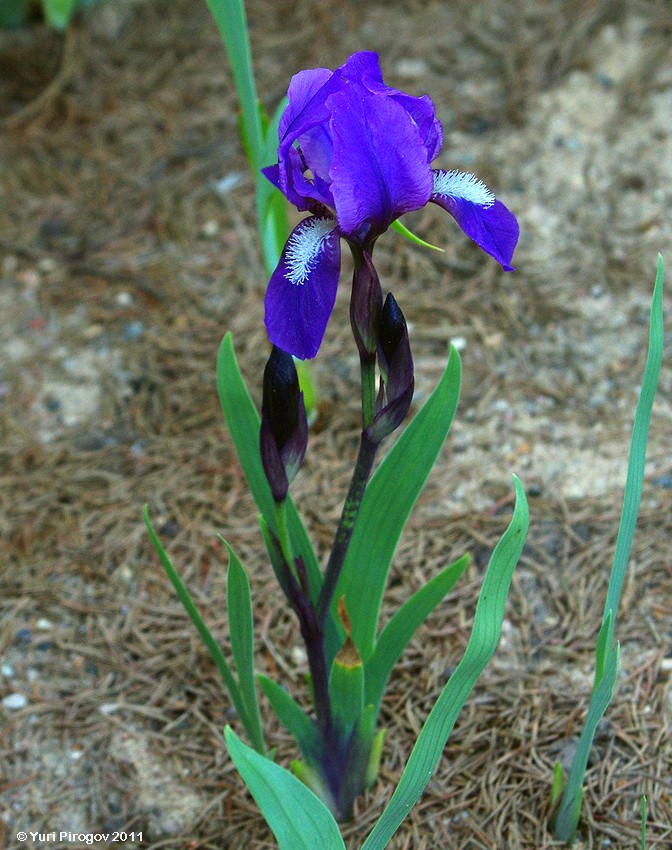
(284, 427)
(366, 304)
(391, 331)
(396, 367)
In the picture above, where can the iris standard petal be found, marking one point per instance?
(380, 168)
(302, 289)
(484, 219)
(302, 89)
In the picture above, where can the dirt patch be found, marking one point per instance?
(127, 249)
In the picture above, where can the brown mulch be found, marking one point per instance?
(117, 250)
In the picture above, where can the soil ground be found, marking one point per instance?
(128, 248)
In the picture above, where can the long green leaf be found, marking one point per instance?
(298, 819)
(292, 717)
(59, 12)
(482, 644)
(205, 635)
(567, 818)
(403, 625)
(387, 503)
(231, 22)
(241, 629)
(606, 657)
(243, 421)
(640, 435)
(271, 203)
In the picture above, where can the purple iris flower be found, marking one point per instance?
(356, 154)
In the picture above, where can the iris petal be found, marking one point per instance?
(473, 206)
(302, 289)
(380, 168)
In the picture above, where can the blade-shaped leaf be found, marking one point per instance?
(59, 12)
(271, 203)
(206, 636)
(640, 435)
(567, 817)
(403, 625)
(243, 421)
(297, 818)
(241, 628)
(480, 649)
(292, 717)
(387, 503)
(416, 240)
(231, 22)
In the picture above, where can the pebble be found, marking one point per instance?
(23, 636)
(133, 330)
(15, 701)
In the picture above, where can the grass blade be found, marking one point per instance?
(204, 632)
(403, 625)
(241, 630)
(298, 819)
(481, 647)
(387, 503)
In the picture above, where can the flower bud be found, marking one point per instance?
(365, 306)
(284, 428)
(396, 367)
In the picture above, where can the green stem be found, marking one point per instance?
(283, 535)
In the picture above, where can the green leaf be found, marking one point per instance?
(567, 818)
(482, 644)
(205, 635)
(231, 22)
(558, 783)
(243, 421)
(607, 657)
(640, 435)
(271, 203)
(297, 818)
(241, 628)
(387, 503)
(13, 13)
(403, 625)
(292, 717)
(643, 833)
(59, 12)
(416, 240)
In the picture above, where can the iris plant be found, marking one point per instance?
(355, 154)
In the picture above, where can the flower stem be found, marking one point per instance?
(283, 534)
(353, 501)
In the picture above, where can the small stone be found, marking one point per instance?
(15, 701)
(123, 299)
(7, 671)
(299, 656)
(133, 330)
(43, 624)
(23, 636)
